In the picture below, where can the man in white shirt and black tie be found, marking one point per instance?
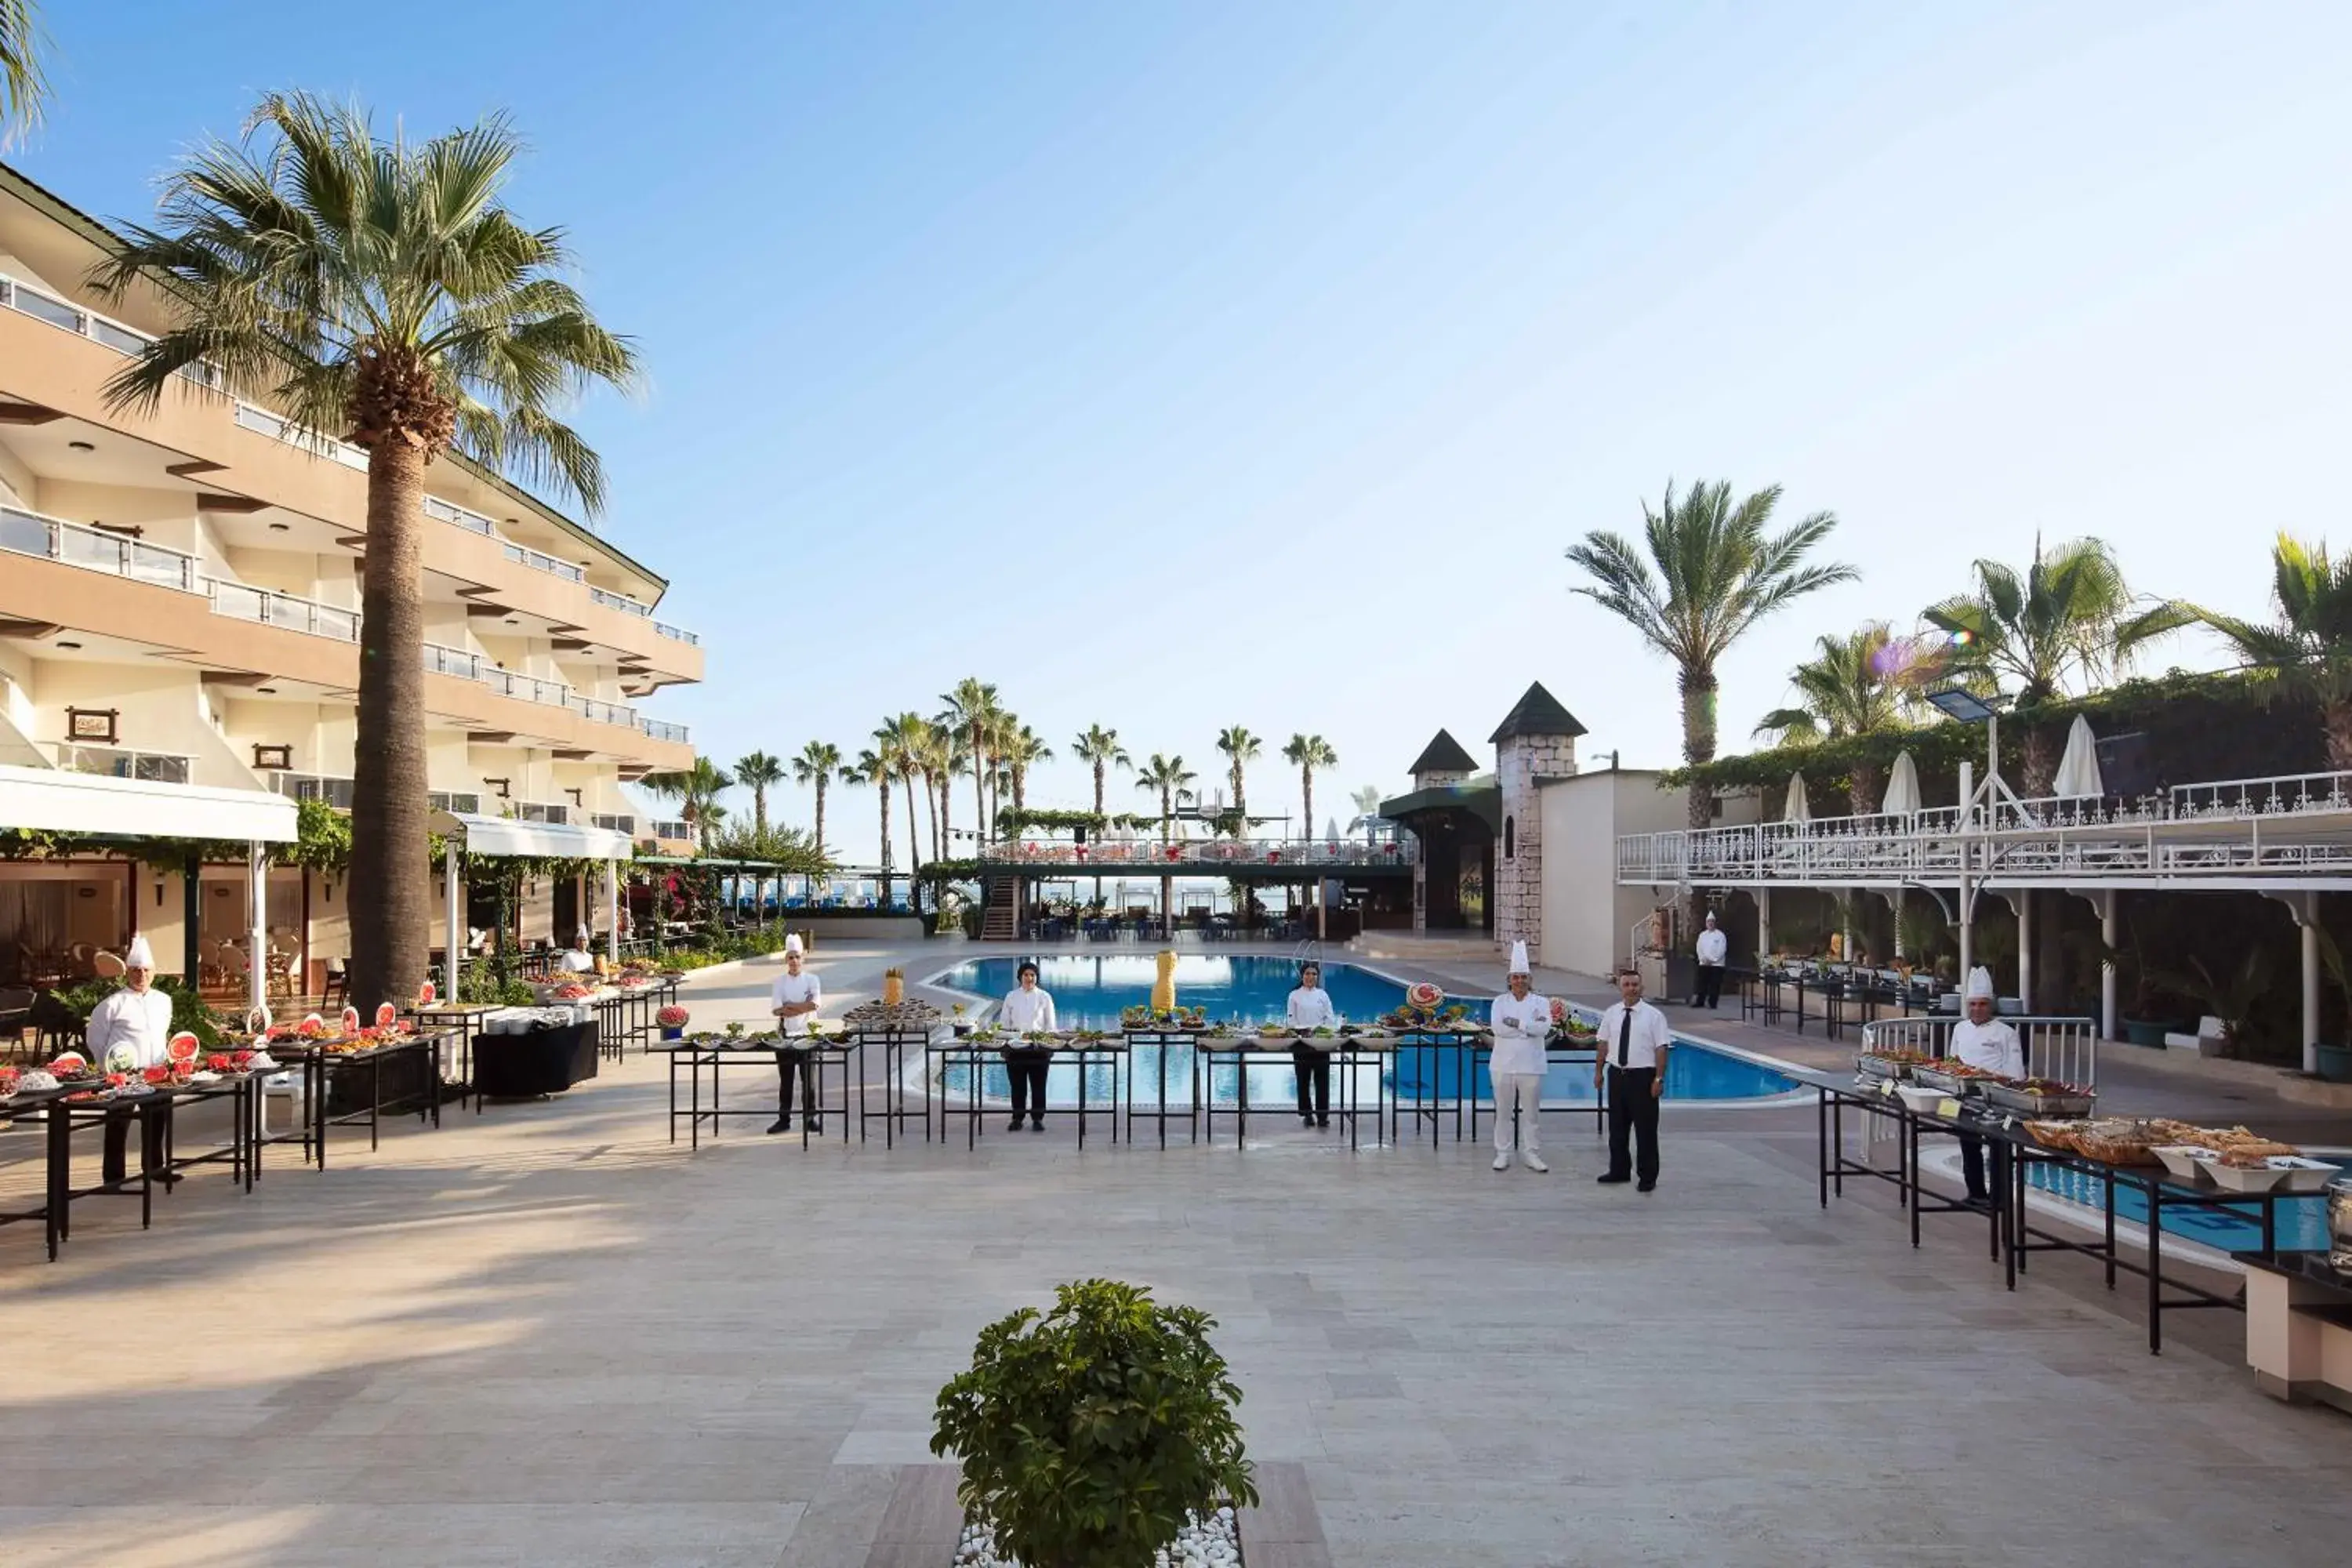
(1631, 1056)
(1711, 950)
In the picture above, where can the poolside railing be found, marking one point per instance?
(2057, 1046)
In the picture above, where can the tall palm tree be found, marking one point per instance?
(2310, 642)
(695, 789)
(1367, 802)
(1099, 748)
(973, 708)
(1858, 684)
(1241, 748)
(1706, 572)
(1172, 780)
(1307, 752)
(899, 741)
(760, 772)
(872, 767)
(2067, 617)
(816, 764)
(1025, 748)
(23, 87)
(380, 290)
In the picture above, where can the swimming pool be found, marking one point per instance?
(1090, 992)
(2302, 1221)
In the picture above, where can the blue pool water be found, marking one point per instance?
(1090, 992)
(2302, 1221)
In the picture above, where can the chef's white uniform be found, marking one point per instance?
(1517, 1067)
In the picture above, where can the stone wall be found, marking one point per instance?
(1517, 892)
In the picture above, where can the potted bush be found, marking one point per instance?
(1091, 1434)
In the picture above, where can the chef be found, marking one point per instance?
(576, 959)
(1522, 1021)
(1982, 1040)
(1710, 950)
(795, 999)
(127, 1033)
(1629, 1068)
(1027, 1006)
(1309, 1007)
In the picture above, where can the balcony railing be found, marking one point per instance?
(449, 513)
(677, 634)
(1230, 852)
(627, 606)
(673, 830)
(279, 428)
(157, 768)
(602, 713)
(547, 564)
(613, 822)
(658, 730)
(30, 534)
(440, 660)
(534, 811)
(335, 791)
(275, 609)
(25, 300)
(457, 803)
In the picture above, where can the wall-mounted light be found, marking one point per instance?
(81, 446)
(281, 528)
(69, 645)
(265, 692)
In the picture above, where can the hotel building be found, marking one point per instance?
(179, 612)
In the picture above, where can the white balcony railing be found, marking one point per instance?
(271, 608)
(450, 512)
(627, 606)
(615, 822)
(459, 803)
(160, 767)
(657, 730)
(1395, 851)
(672, 830)
(473, 667)
(93, 550)
(534, 811)
(677, 634)
(335, 791)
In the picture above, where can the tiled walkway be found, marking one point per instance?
(547, 1336)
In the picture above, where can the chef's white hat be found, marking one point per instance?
(1710, 917)
(1979, 984)
(139, 956)
(1520, 959)
(792, 942)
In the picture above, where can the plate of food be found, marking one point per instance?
(2186, 1161)
(2300, 1174)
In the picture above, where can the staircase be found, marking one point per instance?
(1000, 921)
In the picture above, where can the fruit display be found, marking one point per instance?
(1424, 996)
(894, 987)
(882, 1014)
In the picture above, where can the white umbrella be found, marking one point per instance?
(1331, 828)
(1800, 810)
(1902, 788)
(2078, 770)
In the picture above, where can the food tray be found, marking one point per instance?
(1921, 1098)
(2184, 1162)
(2044, 1105)
(2242, 1178)
(1949, 1083)
(1871, 1064)
(2304, 1175)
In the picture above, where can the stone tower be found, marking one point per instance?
(1442, 762)
(1535, 743)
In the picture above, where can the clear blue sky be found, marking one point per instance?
(1184, 365)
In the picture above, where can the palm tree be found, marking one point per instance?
(1169, 777)
(695, 789)
(1309, 753)
(816, 764)
(899, 741)
(1858, 684)
(379, 290)
(1367, 802)
(23, 88)
(1025, 748)
(1099, 748)
(973, 708)
(2066, 615)
(1711, 572)
(874, 767)
(1241, 748)
(2309, 645)
(758, 773)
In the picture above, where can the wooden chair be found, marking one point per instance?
(338, 993)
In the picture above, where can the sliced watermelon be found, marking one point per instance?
(426, 994)
(386, 1016)
(183, 1046)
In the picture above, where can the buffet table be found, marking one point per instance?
(827, 1053)
(1160, 1041)
(2012, 1152)
(891, 1044)
(326, 1072)
(977, 1052)
(1346, 1053)
(534, 1062)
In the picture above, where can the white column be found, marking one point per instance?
(256, 879)
(455, 945)
(1894, 901)
(2311, 989)
(2024, 904)
(613, 910)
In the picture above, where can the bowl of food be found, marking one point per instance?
(2240, 1172)
(2187, 1160)
(2299, 1174)
(1919, 1098)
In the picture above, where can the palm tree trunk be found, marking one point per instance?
(980, 775)
(947, 806)
(1306, 799)
(1699, 688)
(931, 812)
(388, 875)
(1867, 789)
(820, 817)
(2337, 718)
(2040, 762)
(914, 845)
(884, 792)
(759, 807)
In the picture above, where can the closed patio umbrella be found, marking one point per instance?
(2078, 770)
(1799, 809)
(1902, 787)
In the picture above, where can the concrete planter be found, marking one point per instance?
(2335, 1063)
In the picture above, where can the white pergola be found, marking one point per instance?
(496, 837)
(54, 800)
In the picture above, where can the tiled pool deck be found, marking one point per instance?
(547, 1336)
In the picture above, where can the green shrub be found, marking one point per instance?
(188, 1010)
(1089, 1433)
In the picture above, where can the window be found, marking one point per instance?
(1510, 837)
